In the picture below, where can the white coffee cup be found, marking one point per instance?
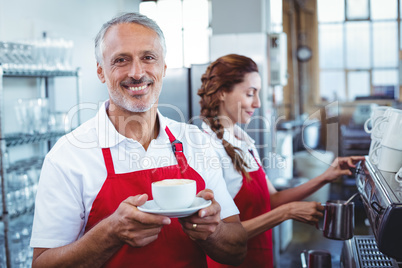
(374, 152)
(174, 193)
(392, 137)
(389, 159)
(381, 123)
(377, 115)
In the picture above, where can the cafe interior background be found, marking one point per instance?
(325, 64)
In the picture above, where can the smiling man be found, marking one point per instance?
(86, 211)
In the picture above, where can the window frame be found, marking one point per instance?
(183, 30)
(372, 68)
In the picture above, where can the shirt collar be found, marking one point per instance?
(110, 137)
(162, 136)
(242, 135)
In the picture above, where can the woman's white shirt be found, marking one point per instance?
(240, 139)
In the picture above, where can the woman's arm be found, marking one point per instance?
(307, 212)
(286, 205)
(340, 166)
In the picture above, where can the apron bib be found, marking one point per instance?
(173, 247)
(253, 200)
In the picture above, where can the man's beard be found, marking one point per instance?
(127, 102)
(129, 105)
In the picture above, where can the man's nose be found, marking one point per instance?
(136, 70)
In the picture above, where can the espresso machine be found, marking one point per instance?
(382, 199)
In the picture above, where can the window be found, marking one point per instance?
(276, 16)
(358, 49)
(276, 26)
(185, 24)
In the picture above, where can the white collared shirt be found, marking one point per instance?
(74, 171)
(240, 139)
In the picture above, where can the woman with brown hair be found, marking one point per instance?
(229, 95)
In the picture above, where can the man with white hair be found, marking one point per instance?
(95, 178)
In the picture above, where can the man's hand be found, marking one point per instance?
(130, 225)
(126, 225)
(202, 224)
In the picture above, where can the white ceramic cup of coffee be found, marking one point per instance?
(172, 194)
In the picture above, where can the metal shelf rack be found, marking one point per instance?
(17, 139)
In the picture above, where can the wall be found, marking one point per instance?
(77, 20)
(241, 27)
(234, 16)
(301, 95)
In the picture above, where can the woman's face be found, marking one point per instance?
(238, 106)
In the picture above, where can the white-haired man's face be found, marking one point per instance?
(133, 67)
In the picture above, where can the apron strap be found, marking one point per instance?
(107, 156)
(252, 153)
(177, 148)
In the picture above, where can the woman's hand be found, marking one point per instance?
(341, 166)
(307, 212)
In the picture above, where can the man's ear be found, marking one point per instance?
(164, 70)
(99, 71)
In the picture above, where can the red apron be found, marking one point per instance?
(253, 200)
(173, 248)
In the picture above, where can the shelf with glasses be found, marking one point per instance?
(16, 139)
(39, 126)
(38, 73)
(26, 211)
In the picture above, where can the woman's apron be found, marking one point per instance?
(173, 248)
(253, 200)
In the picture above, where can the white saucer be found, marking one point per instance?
(151, 207)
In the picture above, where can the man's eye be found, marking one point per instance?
(148, 57)
(250, 95)
(120, 60)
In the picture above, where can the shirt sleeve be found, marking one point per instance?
(58, 204)
(214, 179)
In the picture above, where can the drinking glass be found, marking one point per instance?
(40, 114)
(24, 116)
(59, 122)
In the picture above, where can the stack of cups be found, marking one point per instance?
(376, 125)
(386, 133)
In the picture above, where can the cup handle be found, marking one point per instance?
(379, 126)
(366, 128)
(374, 155)
(303, 257)
(318, 223)
(398, 176)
